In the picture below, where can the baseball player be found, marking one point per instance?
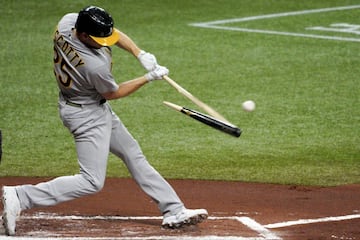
(82, 67)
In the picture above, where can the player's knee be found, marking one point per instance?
(95, 184)
(98, 185)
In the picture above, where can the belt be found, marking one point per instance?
(101, 102)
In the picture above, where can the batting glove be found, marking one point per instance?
(157, 73)
(147, 60)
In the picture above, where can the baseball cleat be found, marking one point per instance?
(12, 209)
(185, 217)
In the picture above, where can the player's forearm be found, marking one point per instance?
(127, 44)
(126, 88)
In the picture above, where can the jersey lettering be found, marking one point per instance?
(65, 59)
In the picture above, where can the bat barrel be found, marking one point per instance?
(212, 122)
(206, 119)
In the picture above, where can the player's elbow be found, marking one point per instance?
(110, 95)
(113, 95)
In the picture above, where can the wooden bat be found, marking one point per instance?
(195, 100)
(210, 121)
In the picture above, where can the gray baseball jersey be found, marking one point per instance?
(83, 74)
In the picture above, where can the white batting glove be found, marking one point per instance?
(157, 73)
(147, 60)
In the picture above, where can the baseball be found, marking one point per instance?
(248, 106)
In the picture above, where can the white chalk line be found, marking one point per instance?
(258, 228)
(262, 230)
(138, 238)
(309, 221)
(216, 24)
(264, 233)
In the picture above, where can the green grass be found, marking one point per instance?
(305, 129)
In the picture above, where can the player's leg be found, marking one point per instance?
(175, 214)
(150, 181)
(92, 145)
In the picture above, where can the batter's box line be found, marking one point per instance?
(310, 221)
(265, 233)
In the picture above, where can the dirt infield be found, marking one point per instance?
(237, 211)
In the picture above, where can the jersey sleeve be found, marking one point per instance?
(103, 80)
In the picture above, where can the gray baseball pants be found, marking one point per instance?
(97, 130)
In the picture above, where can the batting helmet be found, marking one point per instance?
(98, 24)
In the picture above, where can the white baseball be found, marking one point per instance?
(248, 105)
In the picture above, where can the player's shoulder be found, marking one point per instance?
(67, 22)
(69, 17)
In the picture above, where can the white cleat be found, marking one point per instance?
(12, 209)
(185, 217)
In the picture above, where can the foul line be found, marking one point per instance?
(215, 24)
(309, 221)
